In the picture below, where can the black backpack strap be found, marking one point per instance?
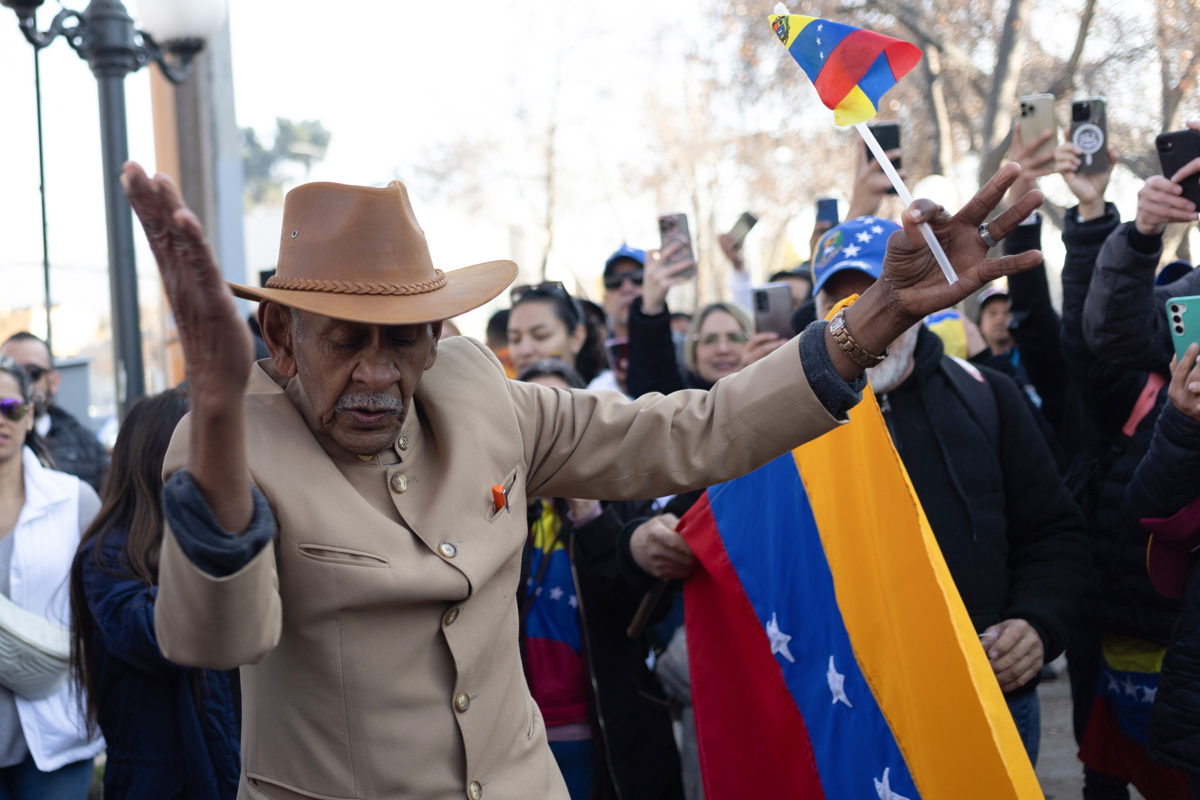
(972, 388)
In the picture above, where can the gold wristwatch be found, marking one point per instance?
(837, 327)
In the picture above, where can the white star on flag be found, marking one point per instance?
(1131, 688)
(537, 592)
(851, 250)
(1149, 694)
(1113, 686)
(820, 55)
(876, 229)
(837, 685)
(863, 236)
(556, 593)
(884, 790)
(818, 41)
(820, 27)
(573, 601)
(779, 639)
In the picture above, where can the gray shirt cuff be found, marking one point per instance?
(209, 546)
(837, 395)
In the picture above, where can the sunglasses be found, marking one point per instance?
(14, 409)
(711, 339)
(545, 289)
(615, 281)
(35, 372)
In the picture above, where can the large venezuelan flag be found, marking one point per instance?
(850, 68)
(830, 653)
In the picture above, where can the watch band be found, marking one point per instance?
(857, 354)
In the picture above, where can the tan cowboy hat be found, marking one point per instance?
(357, 253)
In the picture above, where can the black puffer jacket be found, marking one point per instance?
(1167, 480)
(1125, 318)
(1011, 535)
(76, 450)
(1122, 597)
(634, 744)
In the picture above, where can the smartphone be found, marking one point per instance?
(1175, 150)
(827, 211)
(888, 136)
(1184, 316)
(773, 309)
(742, 227)
(617, 350)
(1037, 117)
(1089, 132)
(674, 228)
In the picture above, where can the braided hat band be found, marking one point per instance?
(357, 287)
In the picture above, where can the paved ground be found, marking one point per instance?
(1059, 770)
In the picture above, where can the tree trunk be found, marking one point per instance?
(1010, 58)
(1066, 81)
(935, 98)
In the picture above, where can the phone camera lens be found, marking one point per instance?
(1179, 329)
(1174, 308)
(1176, 318)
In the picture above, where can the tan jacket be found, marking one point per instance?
(378, 636)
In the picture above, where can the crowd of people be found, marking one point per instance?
(1045, 446)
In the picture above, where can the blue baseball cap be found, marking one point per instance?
(625, 251)
(858, 243)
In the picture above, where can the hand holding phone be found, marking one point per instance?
(1036, 116)
(731, 242)
(673, 228)
(1185, 380)
(888, 136)
(871, 185)
(662, 271)
(1089, 133)
(1163, 199)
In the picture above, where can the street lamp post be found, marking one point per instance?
(104, 36)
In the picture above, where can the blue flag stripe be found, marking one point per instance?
(813, 45)
(879, 79)
(769, 532)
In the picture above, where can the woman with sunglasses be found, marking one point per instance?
(45, 750)
(546, 322)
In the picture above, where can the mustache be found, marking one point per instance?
(369, 401)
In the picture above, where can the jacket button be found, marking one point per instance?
(403, 442)
(475, 790)
(399, 483)
(462, 702)
(447, 549)
(451, 615)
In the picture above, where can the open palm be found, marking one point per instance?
(216, 342)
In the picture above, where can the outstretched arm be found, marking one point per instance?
(216, 345)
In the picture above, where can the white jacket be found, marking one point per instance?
(44, 545)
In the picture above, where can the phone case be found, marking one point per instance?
(1036, 115)
(1183, 315)
(674, 228)
(1091, 136)
(827, 210)
(773, 309)
(888, 136)
(1176, 149)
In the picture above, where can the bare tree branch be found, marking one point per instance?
(909, 19)
(1010, 58)
(1067, 81)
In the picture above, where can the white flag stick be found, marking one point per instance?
(934, 245)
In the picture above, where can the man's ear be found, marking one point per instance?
(278, 332)
(435, 330)
(55, 381)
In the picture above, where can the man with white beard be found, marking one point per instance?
(1011, 534)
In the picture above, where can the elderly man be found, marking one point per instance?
(338, 515)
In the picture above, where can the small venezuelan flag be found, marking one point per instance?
(849, 67)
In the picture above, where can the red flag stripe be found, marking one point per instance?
(745, 694)
(848, 62)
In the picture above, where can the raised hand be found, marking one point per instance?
(216, 345)
(1089, 188)
(1033, 164)
(1185, 383)
(912, 285)
(216, 342)
(871, 185)
(661, 276)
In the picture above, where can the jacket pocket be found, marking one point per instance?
(509, 483)
(263, 787)
(341, 555)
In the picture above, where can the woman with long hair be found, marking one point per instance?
(46, 751)
(547, 322)
(172, 732)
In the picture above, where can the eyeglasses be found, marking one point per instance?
(711, 339)
(14, 409)
(548, 288)
(615, 281)
(35, 372)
